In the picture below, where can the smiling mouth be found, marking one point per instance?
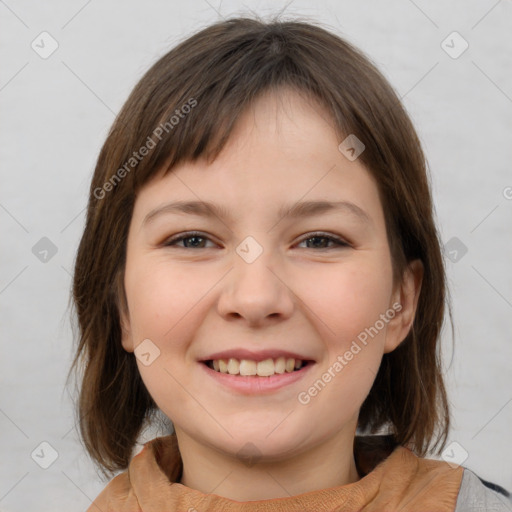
(265, 368)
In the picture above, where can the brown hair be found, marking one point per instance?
(220, 71)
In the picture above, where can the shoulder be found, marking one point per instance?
(474, 493)
(477, 495)
(116, 496)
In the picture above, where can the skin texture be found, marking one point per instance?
(297, 296)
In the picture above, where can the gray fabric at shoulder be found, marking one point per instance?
(474, 496)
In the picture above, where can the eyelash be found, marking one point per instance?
(197, 234)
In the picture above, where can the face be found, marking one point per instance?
(257, 277)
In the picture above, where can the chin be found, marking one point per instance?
(262, 441)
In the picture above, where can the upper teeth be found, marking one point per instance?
(264, 368)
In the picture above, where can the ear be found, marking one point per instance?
(124, 320)
(406, 294)
(126, 333)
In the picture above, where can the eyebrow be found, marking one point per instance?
(297, 210)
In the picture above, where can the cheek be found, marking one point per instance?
(162, 298)
(164, 304)
(345, 299)
(349, 302)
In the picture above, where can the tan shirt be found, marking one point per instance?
(398, 480)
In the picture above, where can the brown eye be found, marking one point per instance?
(321, 240)
(191, 240)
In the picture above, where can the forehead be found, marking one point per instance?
(283, 150)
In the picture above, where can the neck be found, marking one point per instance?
(327, 464)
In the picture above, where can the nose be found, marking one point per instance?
(256, 291)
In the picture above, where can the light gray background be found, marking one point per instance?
(56, 113)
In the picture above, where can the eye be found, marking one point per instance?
(197, 240)
(320, 240)
(193, 239)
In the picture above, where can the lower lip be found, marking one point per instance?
(253, 384)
